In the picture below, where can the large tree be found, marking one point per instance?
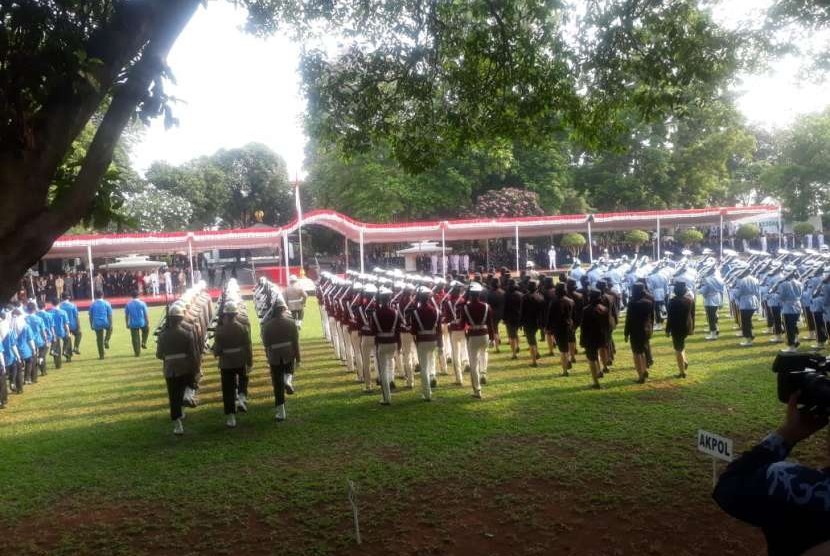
(429, 78)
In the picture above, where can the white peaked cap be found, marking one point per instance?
(475, 287)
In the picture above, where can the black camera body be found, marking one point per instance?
(805, 373)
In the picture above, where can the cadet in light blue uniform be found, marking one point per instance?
(39, 332)
(712, 290)
(576, 271)
(138, 322)
(789, 294)
(814, 288)
(657, 285)
(747, 292)
(49, 329)
(9, 345)
(61, 327)
(773, 303)
(25, 348)
(74, 322)
(100, 320)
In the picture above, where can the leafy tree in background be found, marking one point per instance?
(689, 236)
(802, 229)
(153, 210)
(574, 243)
(228, 187)
(637, 238)
(426, 79)
(506, 202)
(800, 175)
(748, 232)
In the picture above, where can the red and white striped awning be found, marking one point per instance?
(466, 229)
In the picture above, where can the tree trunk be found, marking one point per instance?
(27, 175)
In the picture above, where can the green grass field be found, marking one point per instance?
(542, 465)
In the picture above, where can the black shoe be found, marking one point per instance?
(106, 345)
(484, 380)
(289, 389)
(392, 386)
(76, 351)
(686, 365)
(143, 346)
(384, 403)
(466, 368)
(433, 383)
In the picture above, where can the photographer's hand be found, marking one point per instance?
(799, 424)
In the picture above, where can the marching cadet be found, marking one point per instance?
(25, 347)
(817, 308)
(40, 335)
(747, 291)
(367, 335)
(138, 323)
(478, 320)
(11, 357)
(406, 358)
(712, 291)
(61, 337)
(4, 380)
(281, 339)
(679, 324)
(426, 326)
(100, 320)
(176, 347)
(596, 327)
(513, 316)
(49, 335)
(532, 314)
(386, 329)
(295, 298)
(547, 292)
(789, 294)
(657, 285)
(579, 304)
(495, 298)
(232, 345)
(610, 300)
(353, 327)
(772, 301)
(639, 323)
(451, 308)
(74, 321)
(561, 325)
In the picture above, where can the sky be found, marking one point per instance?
(235, 89)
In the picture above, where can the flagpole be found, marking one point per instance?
(299, 221)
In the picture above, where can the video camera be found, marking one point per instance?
(807, 373)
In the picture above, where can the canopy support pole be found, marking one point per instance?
(518, 251)
(658, 239)
(285, 256)
(190, 259)
(720, 235)
(781, 239)
(300, 239)
(590, 243)
(346, 241)
(91, 273)
(362, 271)
(443, 250)
(487, 253)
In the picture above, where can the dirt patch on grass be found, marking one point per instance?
(541, 516)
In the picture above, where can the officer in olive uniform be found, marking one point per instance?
(181, 362)
(232, 345)
(282, 348)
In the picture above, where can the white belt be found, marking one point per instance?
(232, 350)
(280, 345)
(385, 335)
(175, 356)
(479, 327)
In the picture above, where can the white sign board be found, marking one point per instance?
(714, 445)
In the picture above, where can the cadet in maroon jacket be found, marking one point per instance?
(386, 326)
(426, 327)
(367, 336)
(480, 329)
(452, 310)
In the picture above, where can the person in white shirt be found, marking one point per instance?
(168, 282)
(552, 258)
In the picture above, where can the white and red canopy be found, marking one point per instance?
(110, 245)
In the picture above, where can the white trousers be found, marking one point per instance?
(324, 319)
(478, 359)
(426, 361)
(443, 351)
(367, 348)
(385, 354)
(458, 345)
(345, 342)
(336, 343)
(354, 337)
(405, 360)
(348, 349)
